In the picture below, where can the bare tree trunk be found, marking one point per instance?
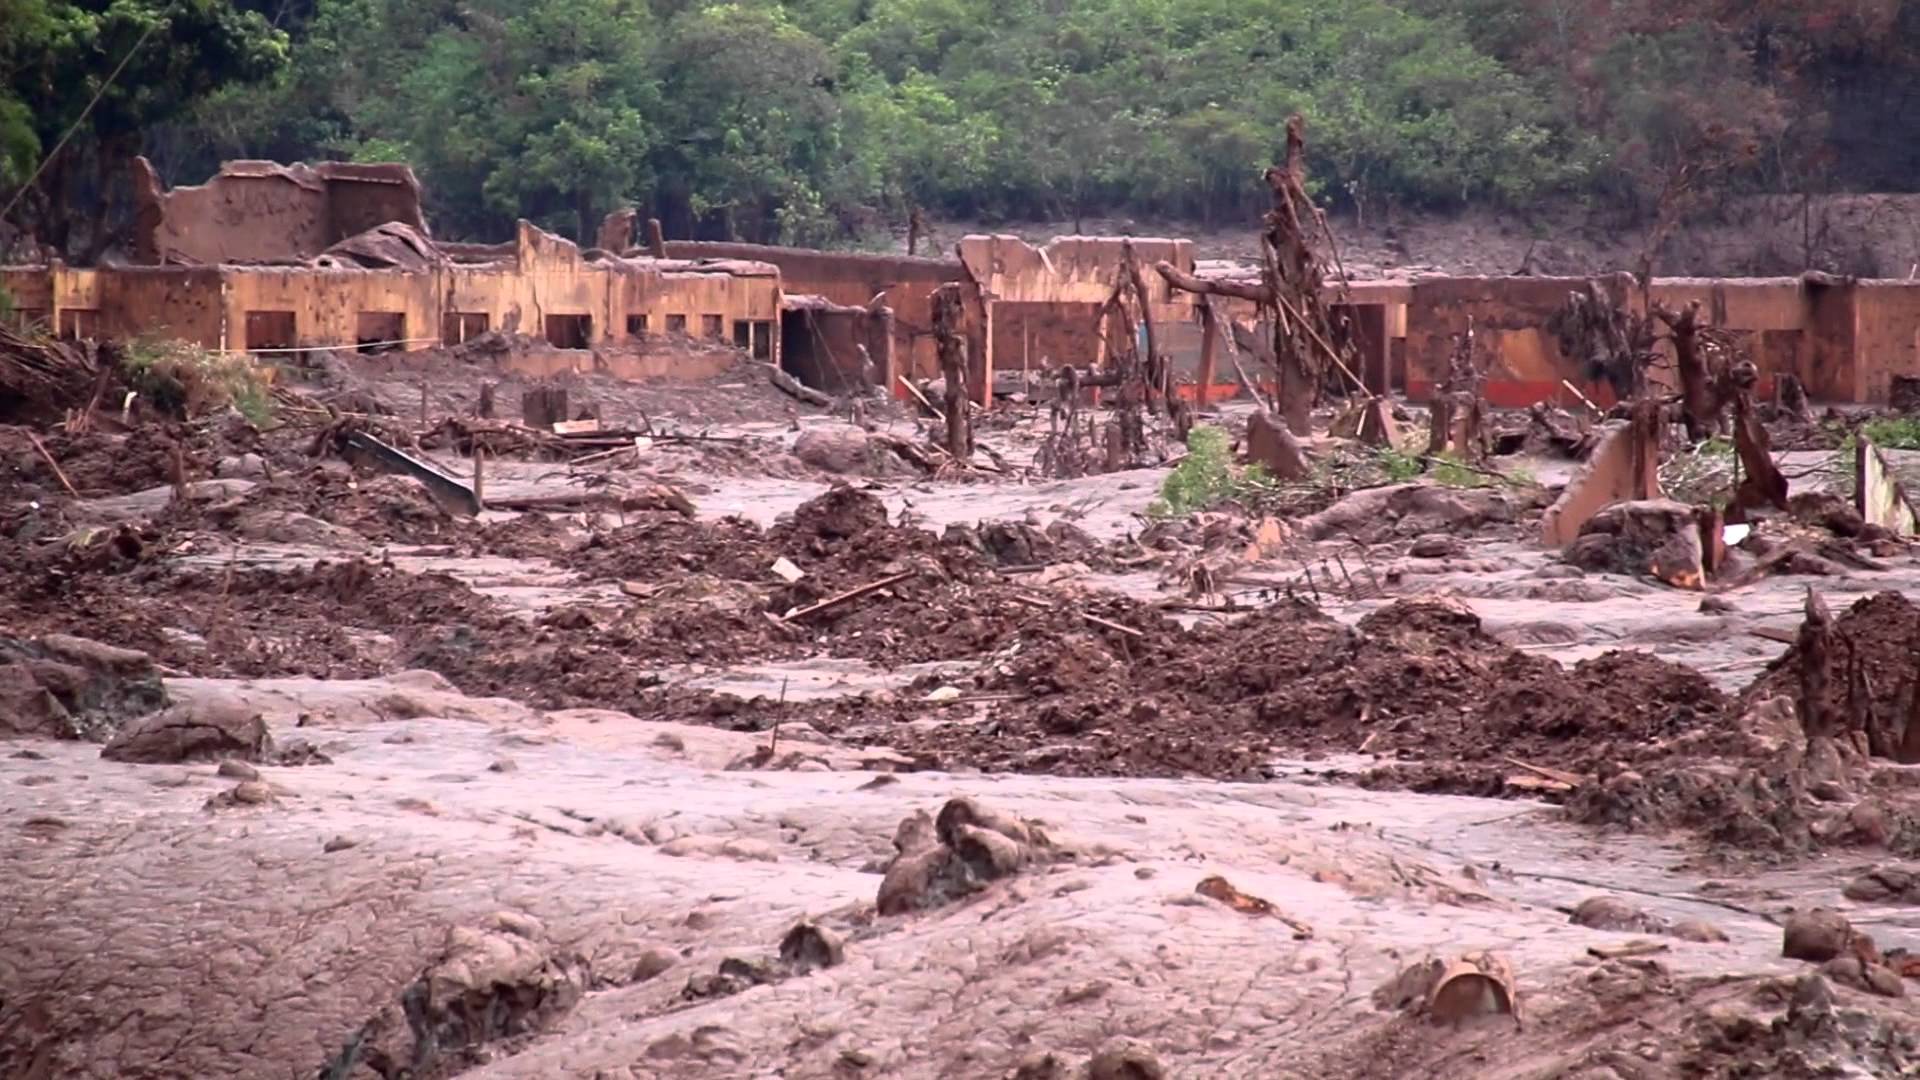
(952, 347)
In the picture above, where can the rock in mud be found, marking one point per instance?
(1612, 913)
(203, 731)
(1865, 976)
(66, 687)
(301, 530)
(237, 770)
(941, 859)
(1125, 1059)
(843, 512)
(845, 450)
(1884, 885)
(1271, 445)
(654, 963)
(1408, 510)
(1436, 546)
(499, 982)
(810, 946)
(1817, 935)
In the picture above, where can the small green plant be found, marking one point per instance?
(1203, 478)
(1398, 467)
(1450, 471)
(1206, 477)
(187, 380)
(1893, 432)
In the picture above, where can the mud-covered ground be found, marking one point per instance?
(1395, 721)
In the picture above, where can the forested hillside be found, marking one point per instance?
(814, 121)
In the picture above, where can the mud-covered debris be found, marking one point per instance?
(1219, 888)
(68, 687)
(1125, 1059)
(1884, 885)
(734, 975)
(1818, 1036)
(1377, 514)
(1477, 984)
(237, 770)
(491, 987)
(1817, 935)
(193, 732)
(810, 946)
(1865, 975)
(1450, 991)
(1858, 662)
(1612, 913)
(245, 793)
(959, 853)
(1435, 546)
(1046, 1066)
(1657, 537)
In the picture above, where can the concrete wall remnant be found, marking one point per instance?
(1878, 494)
(903, 284)
(1624, 466)
(229, 262)
(262, 211)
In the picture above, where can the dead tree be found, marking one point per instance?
(948, 318)
(1762, 483)
(1288, 293)
(1612, 344)
(1706, 360)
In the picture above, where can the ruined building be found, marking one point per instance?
(270, 257)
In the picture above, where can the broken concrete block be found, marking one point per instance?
(1624, 466)
(1477, 984)
(204, 731)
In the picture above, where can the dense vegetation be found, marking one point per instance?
(812, 121)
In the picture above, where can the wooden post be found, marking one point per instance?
(1209, 342)
(1026, 348)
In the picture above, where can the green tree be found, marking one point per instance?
(58, 56)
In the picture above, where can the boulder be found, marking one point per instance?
(1817, 935)
(205, 731)
(1270, 444)
(1884, 885)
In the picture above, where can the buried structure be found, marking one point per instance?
(686, 727)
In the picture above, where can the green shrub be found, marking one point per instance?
(187, 380)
